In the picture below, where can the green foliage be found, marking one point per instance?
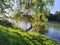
(38, 25)
(17, 15)
(38, 19)
(5, 4)
(54, 17)
(57, 13)
(18, 37)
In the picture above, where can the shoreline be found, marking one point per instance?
(53, 23)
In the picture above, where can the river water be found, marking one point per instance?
(54, 31)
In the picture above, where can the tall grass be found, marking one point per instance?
(9, 36)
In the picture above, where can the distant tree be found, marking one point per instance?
(57, 14)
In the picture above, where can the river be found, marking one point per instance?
(53, 31)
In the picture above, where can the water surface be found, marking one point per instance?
(53, 31)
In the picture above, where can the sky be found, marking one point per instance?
(56, 6)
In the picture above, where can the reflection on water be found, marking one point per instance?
(54, 32)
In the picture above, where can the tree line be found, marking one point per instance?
(54, 17)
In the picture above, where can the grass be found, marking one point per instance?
(10, 36)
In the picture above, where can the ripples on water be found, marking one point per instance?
(54, 32)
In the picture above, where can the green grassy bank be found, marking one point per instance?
(9, 36)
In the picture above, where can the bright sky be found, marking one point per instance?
(56, 6)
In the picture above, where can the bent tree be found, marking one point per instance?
(39, 10)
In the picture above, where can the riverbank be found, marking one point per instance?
(18, 37)
(53, 23)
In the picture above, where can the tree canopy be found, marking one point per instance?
(32, 11)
